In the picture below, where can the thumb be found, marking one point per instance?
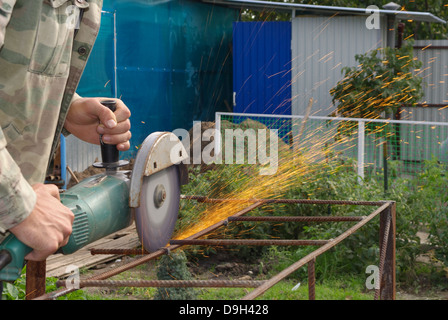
(106, 116)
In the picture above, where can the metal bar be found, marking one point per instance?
(430, 47)
(168, 283)
(385, 121)
(311, 280)
(428, 105)
(361, 144)
(330, 10)
(115, 56)
(94, 251)
(297, 218)
(35, 278)
(286, 272)
(386, 171)
(249, 242)
(217, 137)
(387, 249)
(384, 231)
(302, 201)
(156, 254)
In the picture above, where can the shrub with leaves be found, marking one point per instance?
(174, 267)
(382, 81)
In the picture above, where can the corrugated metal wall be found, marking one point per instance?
(321, 47)
(423, 142)
(80, 155)
(261, 69)
(434, 56)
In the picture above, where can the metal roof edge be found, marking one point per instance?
(316, 9)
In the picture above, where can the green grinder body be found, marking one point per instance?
(101, 207)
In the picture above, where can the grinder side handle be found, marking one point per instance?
(12, 257)
(109, 152)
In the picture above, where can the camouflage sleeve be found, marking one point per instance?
(65, 132)
(6, 7)
(17, 197)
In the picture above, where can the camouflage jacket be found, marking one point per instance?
(43, 52)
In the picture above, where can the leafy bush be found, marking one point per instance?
(430, 201)
(382, 81)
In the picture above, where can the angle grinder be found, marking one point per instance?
(149, 195)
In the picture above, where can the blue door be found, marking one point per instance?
(262, 67)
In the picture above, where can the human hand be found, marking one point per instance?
(87, 119)
(49, 225)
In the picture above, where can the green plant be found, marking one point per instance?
(174, 267)
(431, 202)
(383, 81)
(17, 290)
(14, 291)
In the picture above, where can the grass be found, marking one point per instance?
(336, 289)
(342, 287)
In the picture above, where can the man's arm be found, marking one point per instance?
(17, 197)
(34, 214)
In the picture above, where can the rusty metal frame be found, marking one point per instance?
(385, 291)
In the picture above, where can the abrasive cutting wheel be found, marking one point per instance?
(155, 188)
(156, 217)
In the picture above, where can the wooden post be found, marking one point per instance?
(36, 274)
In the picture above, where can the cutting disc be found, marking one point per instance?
(156, 216)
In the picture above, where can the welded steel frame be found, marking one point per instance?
(387, 282)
